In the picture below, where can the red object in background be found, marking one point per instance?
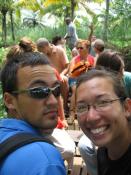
(60, 124)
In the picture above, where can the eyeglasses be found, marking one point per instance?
(80, 48)
(98, 106)
(40, 92)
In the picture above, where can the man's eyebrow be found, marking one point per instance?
(44, 83)
(38, 82)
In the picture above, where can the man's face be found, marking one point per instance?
(93, 38)
(46, 49)
(105, 124)
(67, 22)
(41, 113)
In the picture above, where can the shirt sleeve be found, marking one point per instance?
(127, 82)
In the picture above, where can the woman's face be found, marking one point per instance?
(82, 48)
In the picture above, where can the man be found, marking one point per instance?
(56, 55)
(59, 41)
(31, 92)
(71, 35)
(103, 114)
(98, 46)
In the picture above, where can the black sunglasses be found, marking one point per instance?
(80, 48)
(40, 92)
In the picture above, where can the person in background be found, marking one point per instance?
(74, 52)
(71, 35)
(25, 45)
(113, 62)
(83, 49)
(59, 41)
(104, 114)
(56, 55)
(31, 93)
(92, 39)
(85, 59)
(98, 46)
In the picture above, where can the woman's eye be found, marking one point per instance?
(101, 103)
(81, 107)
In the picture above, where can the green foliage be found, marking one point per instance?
(33, 33)
(119, 30)
(2, 109)
(5, 4)
(38, 32)
(2, 54)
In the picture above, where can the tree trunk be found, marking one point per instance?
(12, 25)
(73, 3)
(105, 32)
(4, 30)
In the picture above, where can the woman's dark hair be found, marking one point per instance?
(25, 45)
(117, 83)
(9, 71)
(110, 60)
(56, 39)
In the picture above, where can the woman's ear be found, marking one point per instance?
(9, 101)
(128, 108)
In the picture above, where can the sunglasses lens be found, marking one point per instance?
(56, 92)
(43, 92)
(39, 93)
(79, 48)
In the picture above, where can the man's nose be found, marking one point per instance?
(51, 99)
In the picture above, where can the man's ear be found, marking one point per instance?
(9, 101)
(128, 108)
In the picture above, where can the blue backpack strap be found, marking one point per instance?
(18, 140)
